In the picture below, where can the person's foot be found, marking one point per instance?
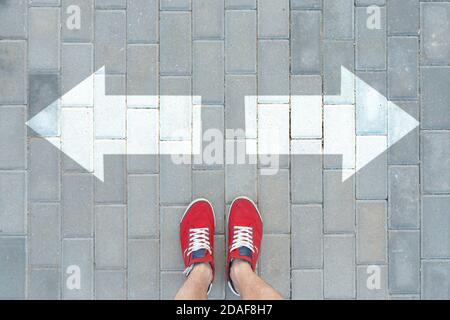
(245, 230)
(197, 236)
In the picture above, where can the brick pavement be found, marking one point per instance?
(322, 236)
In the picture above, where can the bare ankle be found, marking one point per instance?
(238, 269)
(202, 272)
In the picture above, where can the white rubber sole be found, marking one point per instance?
(230, 285)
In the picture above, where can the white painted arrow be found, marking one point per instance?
(175, 127)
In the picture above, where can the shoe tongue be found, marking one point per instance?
(199, 254)
(245, 252)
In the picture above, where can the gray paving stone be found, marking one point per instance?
(273, 19)
(13, 19)
(405, 151)
(13, 88)
(371, 111)
(273, 202)
(435, 279)
(170, 126)
(142, 72)
(306, 108)
(404, 193)
(402, 67)
(306, 4)
(44, 171)
(43, 44)
(77, 65)
(240, 41)
(339, 202)
(307, 284)
(273, 149)
(404, 262)
(139, 28)
(112, 190)
(142, 141)
(110, 236)
(404, 297)
(336, 54)
(273, 68)
(371, 233)
(171, 281)
(435, 151)
(208, 72)
(365, 292)
(44, 284)
(209, 184)
(403, 17)
(307, 239)
(13, 209)
(110, 41)
(435, 98)
(240, 4)
(370, 43)
(84, 32)
(435, 227)
(370, 2)
(143, 269)
(339, 137)
(143, 200)
(106, 126)
(237, 88)
(171, 258)
(44, 93)
(142, 19)
(13, 133)
(339, 267)
(175, 43)
(338, 19)
(77, 136)
(44, 2)
(371, 180)
(211, 155)
(306, 177)
(305, 42)
(110, 4)
(77, 205)
(208, 19)
(240, 180)
(79, 253)
(77, 139)
(175, 182)
(435, 44)
(110, 285)
(13, 266)
(45, 234)
(175, 4)
(220, 281)
(276, 271)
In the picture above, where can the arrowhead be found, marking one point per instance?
(80, 96)
(45, 119)
(379, 124)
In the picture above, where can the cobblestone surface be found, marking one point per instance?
(324, 238)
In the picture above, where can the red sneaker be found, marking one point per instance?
(197, 235)
(245, 230)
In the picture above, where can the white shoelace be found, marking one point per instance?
(198, 239)
(243, 237)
